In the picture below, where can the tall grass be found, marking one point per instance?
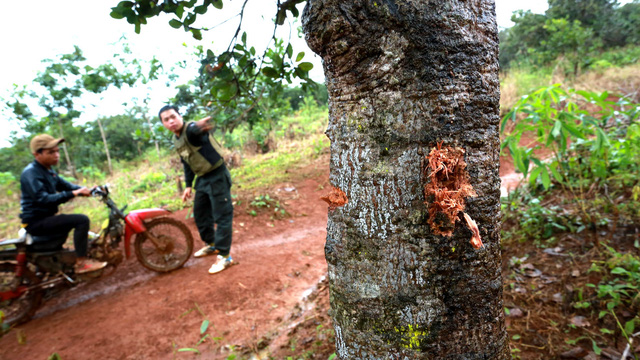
(616, 71)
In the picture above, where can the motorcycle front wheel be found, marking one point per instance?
(22, 308)
(174, 247)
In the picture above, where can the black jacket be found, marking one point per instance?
(42, 191)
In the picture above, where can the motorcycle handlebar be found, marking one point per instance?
(100, 190)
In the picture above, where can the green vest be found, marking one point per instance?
(189, 153)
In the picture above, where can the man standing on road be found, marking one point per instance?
(42, 190)
(212, 208)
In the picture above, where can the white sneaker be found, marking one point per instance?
(221, 263)
(206, 251)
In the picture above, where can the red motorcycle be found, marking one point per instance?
(31, 270)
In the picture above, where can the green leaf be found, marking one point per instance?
(189, 350)
(217, 4)
(270, 72)
(572, 129)
(619, 271)
(116, 15)
(630, 326)
(228, 92)
(300, 56)
(289, 50)
(202, 9)
(602, 314)
(244, 37)
(294, 11)
(204, 326)
(176, 24)
(280, 16)
(544, 176)
(554, 171)
(305, 66)
(557, 127)
(180, 11)
(596, 349)
(333, 356)
(534, 175)
(190, 19)
(197, 34)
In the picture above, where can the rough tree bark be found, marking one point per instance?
(403, 76)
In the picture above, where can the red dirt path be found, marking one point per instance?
(138, 314)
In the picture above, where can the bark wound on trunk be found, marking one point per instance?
(402, 77)
(446, 189)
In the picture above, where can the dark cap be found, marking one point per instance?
(44, 141)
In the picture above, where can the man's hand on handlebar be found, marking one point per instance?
(83, 191)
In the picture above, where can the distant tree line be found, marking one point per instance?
(50, 104)
(573, 30)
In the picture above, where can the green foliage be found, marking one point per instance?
(582, 142)
(570, 30)
(617, 57)
(185, 11)
(92, 173)
(534, 221)
(620, 285)
(56, 91)
(266, 202)
(568, 39)
(296, 96)
(238, 87)
(273, 168)
(7, 179)
(563, 121)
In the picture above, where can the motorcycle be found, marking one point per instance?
(35, 268)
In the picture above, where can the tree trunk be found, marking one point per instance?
(106, 146)
(403, 77)
(70, 167)
(153, 132)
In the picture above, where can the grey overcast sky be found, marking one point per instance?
(33, 30)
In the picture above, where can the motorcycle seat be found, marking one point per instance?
(40, 243)
(11, 242)
(45, 243)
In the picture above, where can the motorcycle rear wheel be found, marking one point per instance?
(175, 248)
(21, 309)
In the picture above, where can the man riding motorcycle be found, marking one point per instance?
(42, 190)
